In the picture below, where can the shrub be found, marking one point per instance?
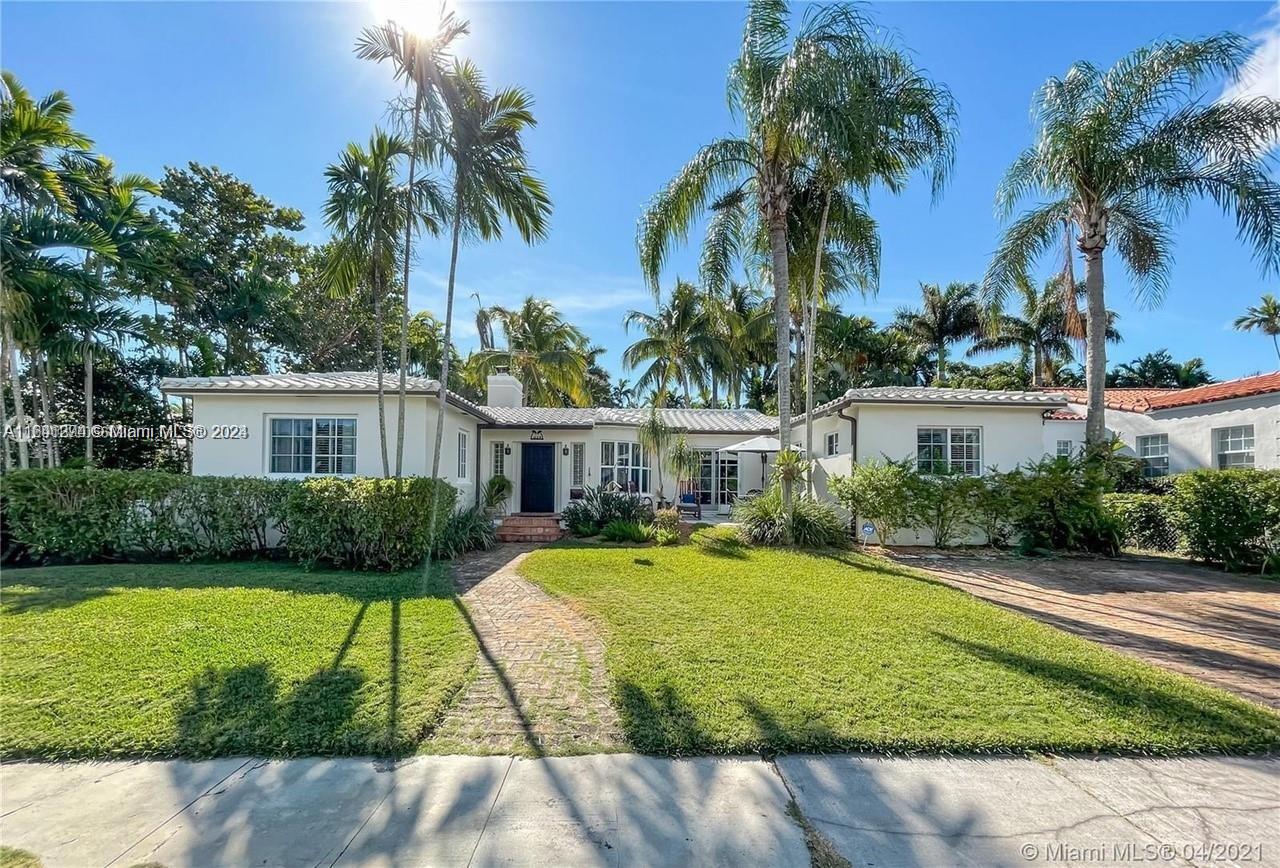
(1147, 521)
(666, 537)
(578, 516)
(810, 523)
(992, 505)
(1057, 504)
(86, 514)
(496, 492)
(943, 504)
(365, 523)
(599, 506)
(466, 530)
(583, 528)
(620, 530)
(878, 491)
(1231, 517)
(667, 519)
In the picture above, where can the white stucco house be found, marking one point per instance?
(297, 425)
(1221, 425)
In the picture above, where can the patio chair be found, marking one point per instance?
(690, 503)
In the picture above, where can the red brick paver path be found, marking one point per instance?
(540, 685)
(1220, 628)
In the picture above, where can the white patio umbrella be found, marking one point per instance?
(762, 445)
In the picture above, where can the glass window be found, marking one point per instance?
(322, 445)
(727, 480)
(1063, 449)
(1234, 446)
(578, 465)
(958, 450)
(499, 467)
(1153, 451)
(706, 475)
(626, 465)
(462, 454)
(833, 443)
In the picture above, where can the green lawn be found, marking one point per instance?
(212, 659)
(717, 647)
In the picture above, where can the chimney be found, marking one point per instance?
(504, 390)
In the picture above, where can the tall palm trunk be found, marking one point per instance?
(1037, 366)
(942, 362)
(46, 400)
(810, 331)
(15, 384)
(446, 342)
(782, 322)
(377, 283)
(1095, 428)
(88, 372)
(404, 314)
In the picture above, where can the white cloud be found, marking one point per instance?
(1262, 76)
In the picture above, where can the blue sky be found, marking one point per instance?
(625, 92)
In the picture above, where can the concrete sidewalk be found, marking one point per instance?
(624, 809)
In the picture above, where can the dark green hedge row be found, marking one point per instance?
(1229, 517)
(84, 515)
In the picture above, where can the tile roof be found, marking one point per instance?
(1147, 400)
(1133, 400)
(710, 421)
(534, 417)
(1064, 416)
(935, 395)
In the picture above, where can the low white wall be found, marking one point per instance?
(250, 456)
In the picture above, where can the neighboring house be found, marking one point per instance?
(293, 425)
(1221, 425)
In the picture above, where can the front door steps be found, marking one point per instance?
(530, 527)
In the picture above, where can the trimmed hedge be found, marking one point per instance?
(366, 523)
(1147, 520)
(81, 515)
(1231, 517)
(87, 515)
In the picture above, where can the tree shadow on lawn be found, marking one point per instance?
(39, 589)
(1224, 721)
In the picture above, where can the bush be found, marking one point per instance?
(1147, 521)
(583, 528)
(1057, 504)
(666, 537)
(365, 523)
(811, 523)
(878, 491)
(1231, 517)
(599, 506)
(85, 514)
(466, 530)
(496, 492)
(667, 519)
(620, 530)
(992, 507)
(943, 504)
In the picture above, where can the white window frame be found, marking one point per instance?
(1227, 443)
(463, 448)
(833, 444)
(498, 462)
(1153, 452)
(272, 418)
(948, 445)
(611, 455)
(1063, 448)
(577, 465)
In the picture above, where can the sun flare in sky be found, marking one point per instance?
(419, 17)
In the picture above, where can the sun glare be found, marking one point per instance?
(419, 17)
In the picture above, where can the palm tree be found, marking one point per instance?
(655, 437)
(678, 341)
(1265, 318)
(492, 180)
(547, 355)
(947, 315)
(367, 209)
(1121, 153)
(420, 62)
(1043, 330)
(794, 91)
(1158, 370)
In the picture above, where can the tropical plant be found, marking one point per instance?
(1120, 154)
(878, 491)
(547, 355)
(496, 492)
(1265, 317)
(620, 530)
(679, 342)
(796, 91)
(946, 316)
(655, 438)
(1158, 370)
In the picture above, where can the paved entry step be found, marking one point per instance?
(522, 527)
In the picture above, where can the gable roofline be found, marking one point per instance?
(1139, 400)
(914, 395)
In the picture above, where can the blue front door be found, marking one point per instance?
(538, 477)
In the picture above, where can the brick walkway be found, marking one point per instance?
(1218, 627)
(540, 686)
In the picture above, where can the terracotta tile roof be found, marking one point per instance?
(1146, 400)
(1064, 416)
(1133, 400)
